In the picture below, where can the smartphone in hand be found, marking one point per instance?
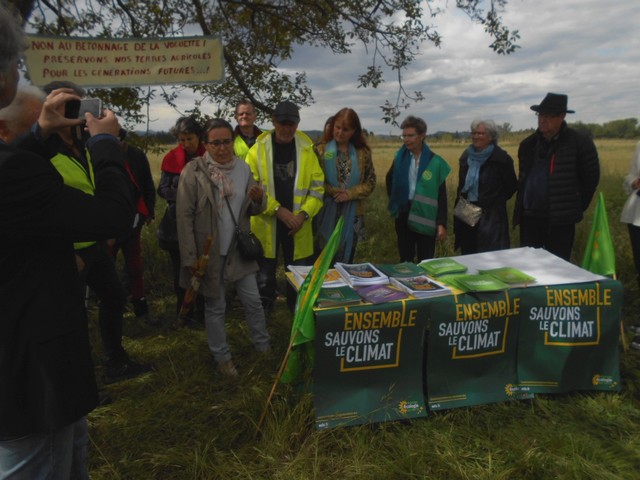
(77, 108)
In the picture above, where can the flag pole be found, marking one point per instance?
(275, 384)
(623, 338)
(307, 294)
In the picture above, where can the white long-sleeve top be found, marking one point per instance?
(631, 209)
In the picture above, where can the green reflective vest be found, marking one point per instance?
(75, 175)
(424, 208)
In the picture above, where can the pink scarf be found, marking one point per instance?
(218, 173)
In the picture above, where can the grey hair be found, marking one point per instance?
(245, 101)
(414, 122)
(187, 125)
(489, 124)
(12, 39)
(12, 112)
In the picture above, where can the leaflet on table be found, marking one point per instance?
(360, 274)
(511, 276)
(338, 297)
(478, 282)
(420, 286)
(442, 266)
(381, 293)
(404, 269)
(332, 279)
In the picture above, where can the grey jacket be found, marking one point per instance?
(197, 207)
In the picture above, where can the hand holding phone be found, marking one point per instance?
(52, 118)
(105, 124)
(77, 108)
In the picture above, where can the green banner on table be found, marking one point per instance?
(369, 364)
(569, 337)
(471, 350)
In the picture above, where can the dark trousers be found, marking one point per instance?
(132, 253)
(634, 237)
(174, 254)
(267, 273)
(411, 243)
(100, 275)
(557, 239)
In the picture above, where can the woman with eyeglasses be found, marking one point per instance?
(188, 132)
(215, 191)
(417, 194)
(349, 178)
(486, 178)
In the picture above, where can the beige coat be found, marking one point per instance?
(197, 207)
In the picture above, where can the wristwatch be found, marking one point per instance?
(306, 215)
(276, 209)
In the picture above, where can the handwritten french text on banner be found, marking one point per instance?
(95, 62)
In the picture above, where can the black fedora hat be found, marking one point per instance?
(553, 103)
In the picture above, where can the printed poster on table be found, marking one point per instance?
(369, 364)
(569, 337)
(471, 350)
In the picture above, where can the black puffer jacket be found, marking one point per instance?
(574, 174)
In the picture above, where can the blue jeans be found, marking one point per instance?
(42, 455)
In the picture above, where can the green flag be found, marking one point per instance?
(599, 255)
(303, 329)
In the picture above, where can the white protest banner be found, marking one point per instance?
(99, 62)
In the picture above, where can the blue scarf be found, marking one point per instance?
(475, 161)
(399, 198)
(328, 215)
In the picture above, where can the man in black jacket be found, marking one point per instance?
(47, 384)
(558, 175)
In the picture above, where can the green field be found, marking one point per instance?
(186, 422)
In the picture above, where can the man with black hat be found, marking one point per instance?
(284, 163)
(559, 173)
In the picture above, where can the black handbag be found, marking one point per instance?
(167, 232)
(248, 244)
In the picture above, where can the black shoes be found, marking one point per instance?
(141, 311)
(118, 369)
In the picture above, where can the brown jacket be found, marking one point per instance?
(197, 213)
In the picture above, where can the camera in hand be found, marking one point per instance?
(77, 108)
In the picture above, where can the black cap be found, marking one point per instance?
(287, 112)
(553, 103)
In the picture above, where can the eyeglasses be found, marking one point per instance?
(216, 143)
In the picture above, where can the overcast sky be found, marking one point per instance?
(588, 49)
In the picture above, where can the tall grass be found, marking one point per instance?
(186, 422)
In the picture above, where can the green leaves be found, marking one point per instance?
(260, 35)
